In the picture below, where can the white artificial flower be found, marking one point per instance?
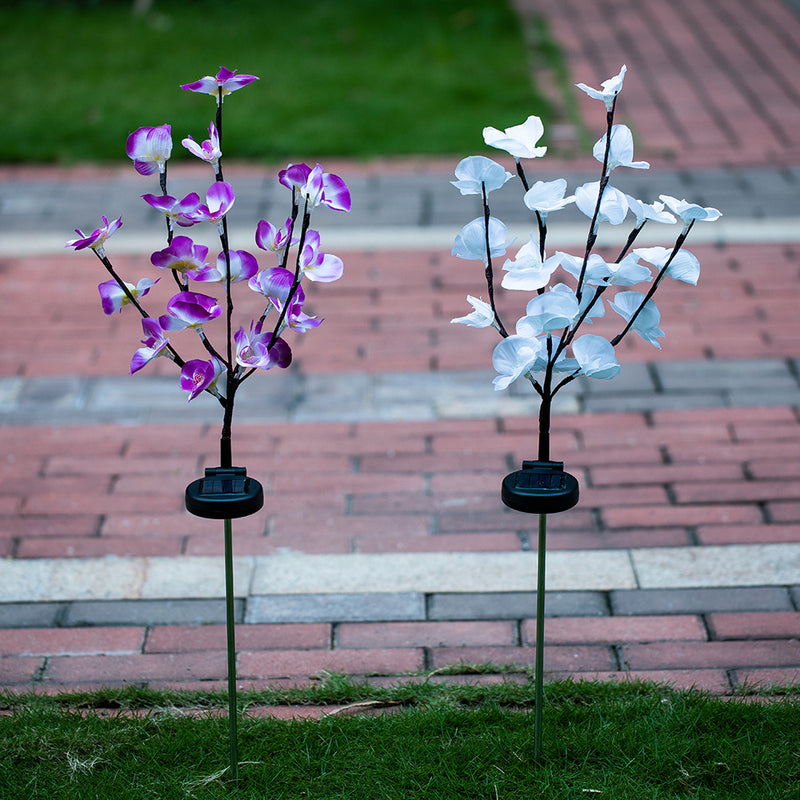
(513, 357)
(527, 272)
(547, 196)
(481, 317)
(596, 357)
(684, 266)
(611, 88)
(550, 311)
(471, 242)
(475, 172)
(518, 140)
(690, 212)
(628, 272)
(647, 320)
(620, 152)
(596, 272)
(613, 205)
(644, 211)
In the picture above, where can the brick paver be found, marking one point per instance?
(696, 444)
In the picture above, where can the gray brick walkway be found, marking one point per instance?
(361, 396)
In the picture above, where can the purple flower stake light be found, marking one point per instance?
(544, 347)
(225, 492)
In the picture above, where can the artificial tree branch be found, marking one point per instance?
(489, 271)
(606, 175)
(676, 248)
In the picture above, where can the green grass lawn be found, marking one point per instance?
(605, 741)
(338, 77)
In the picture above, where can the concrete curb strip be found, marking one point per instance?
(44, 580)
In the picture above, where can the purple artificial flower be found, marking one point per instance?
(252, 349)
(274, 283)
(113, 297)
(150, 148)
(316, 186)
(316, 265)
(219, 201)
(182, 255)
(225, 80)
(272, 239)
(154, 343)
(179, 211)
(296, 318)
(188, 310)
(96, 238)
(243, 267)
(209, 150)
(198, 376)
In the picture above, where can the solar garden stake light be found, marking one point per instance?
(225, 492)
(545, 347)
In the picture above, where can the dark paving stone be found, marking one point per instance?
(149, 612)
(515, 605)
(389, 607)
(30, 615)
(699, 601)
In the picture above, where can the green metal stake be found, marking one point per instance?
(227, 493)
(230, 613)
(539, 678)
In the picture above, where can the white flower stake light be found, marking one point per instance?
(226, 492)
(547, 346)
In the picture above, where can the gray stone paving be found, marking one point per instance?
(426, 199)
(401, 607)
(398, 396)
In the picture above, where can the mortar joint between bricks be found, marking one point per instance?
(607, 602)
(655, 377)
(692, 536)
(669, 491)
(517, 635)
(705, 622)
(792, 367)
(60, 617)
(427, 660)
(619, 658)
(38, 676)
(763, 509)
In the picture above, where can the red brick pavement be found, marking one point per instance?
(709, 83)
(391, 312)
